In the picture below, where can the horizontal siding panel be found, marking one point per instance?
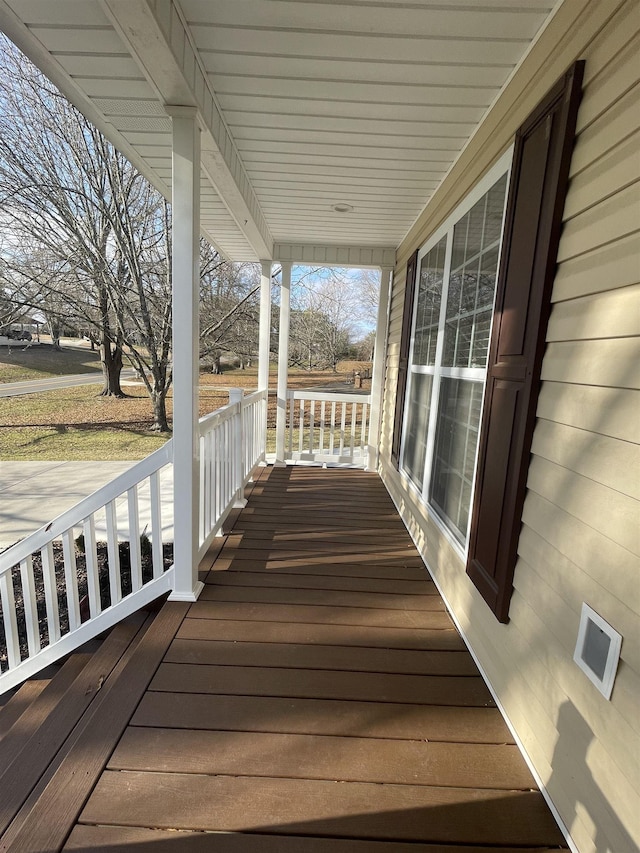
(607, 411)
(613, 514)
(608, 175)
(617, 78)
(609, 564)
(556, 587)
(604, 223)
(613, 463)
(560, 578)
(612, 40)
(613, 126)
(615, 314)
(609, 363)
(554, 676)
(605, 268)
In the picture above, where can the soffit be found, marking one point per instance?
(309, 104)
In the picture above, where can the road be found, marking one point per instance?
(35, 386)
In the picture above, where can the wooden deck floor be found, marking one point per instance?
(316, 698)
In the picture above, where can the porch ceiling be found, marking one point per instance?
(304, 105)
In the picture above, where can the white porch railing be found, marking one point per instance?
(327, 427)
(95, 564)
(119, 575)
(232, 443)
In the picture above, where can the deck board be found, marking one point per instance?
(319, 581)
(316, 699)
(324, 597)
(323, 684)
(335, 657)
(340, 759)
(122, 839)
(320, 808)
(322, 717)
(367, 636)
(321, 615)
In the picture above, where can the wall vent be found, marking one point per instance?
(597, 650)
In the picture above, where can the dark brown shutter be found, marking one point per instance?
(403, 362)
(533, 222)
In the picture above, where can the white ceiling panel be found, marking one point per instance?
(310, 103)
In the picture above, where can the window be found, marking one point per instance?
(473, 377)
(452, 314)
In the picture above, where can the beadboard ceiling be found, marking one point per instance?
(305, 105)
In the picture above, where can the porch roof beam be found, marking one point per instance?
(360, 257)
(165, 53)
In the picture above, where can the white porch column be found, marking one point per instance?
(377, 376)
(185, 271)
(265, 327)
(283, 361)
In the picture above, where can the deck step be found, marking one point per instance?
(42, 797)
(50, 713)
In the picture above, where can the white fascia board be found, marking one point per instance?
(32, 48)
(359, 257)
(168, 58)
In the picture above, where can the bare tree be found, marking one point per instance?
(89, 234)
(324, 308)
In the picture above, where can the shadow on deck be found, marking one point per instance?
(317, 698)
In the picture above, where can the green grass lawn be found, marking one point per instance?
(21, 363)
(75, 424)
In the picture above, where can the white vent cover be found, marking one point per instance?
(597, 650)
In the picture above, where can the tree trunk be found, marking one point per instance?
(160, 422)
(111, 358)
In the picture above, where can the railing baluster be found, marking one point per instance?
(333, 428)
(7, 598)
(292, 418)
(27, 582)
(353, 429)
(321, 432)
(363, 430)
(301, 436)
(204, 491)
(71, 579)
(157, 555)
(113, 553)
(312, 411)
(135, 556)
(91, 558)
(343, 421)
(50, 593)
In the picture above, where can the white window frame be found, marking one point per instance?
(437, 371)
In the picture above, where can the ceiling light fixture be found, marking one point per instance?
(342, 208)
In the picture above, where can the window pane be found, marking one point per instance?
(472, 281)
(415, 441)
(455, 451)
(428, 308)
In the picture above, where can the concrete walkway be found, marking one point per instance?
(34, 493)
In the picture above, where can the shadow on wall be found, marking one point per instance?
(570, 761)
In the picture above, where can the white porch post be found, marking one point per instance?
(377, 376)
(185, 271)
(265, 327)
(283, 362)
(264, 346)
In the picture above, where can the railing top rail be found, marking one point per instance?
(248, 399)
(87, 506)
(328, 396)
(225, 412)
(213, 418)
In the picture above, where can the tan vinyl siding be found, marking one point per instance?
(580, 539)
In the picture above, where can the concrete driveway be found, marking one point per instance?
(34, 493)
